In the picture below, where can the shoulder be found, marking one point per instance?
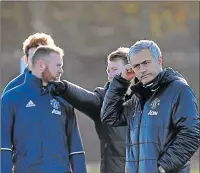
(13, 94)
(180, 84)
(14, 82)
(183, 90)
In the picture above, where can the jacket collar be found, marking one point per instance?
(35, 83)
(26, 70)
(106, 86)
(166, 76)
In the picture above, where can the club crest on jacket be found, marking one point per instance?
(56, 105)
(154, 107)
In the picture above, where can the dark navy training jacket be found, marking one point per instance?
(38, 133)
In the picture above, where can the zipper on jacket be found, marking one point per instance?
(106, 150)
(139, 140)
(141, 111)
(105, 157)
(142, 105)
(41, 139)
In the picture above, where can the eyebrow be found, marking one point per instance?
(141, 62)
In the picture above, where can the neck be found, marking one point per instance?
(44, 83)
(39, 75)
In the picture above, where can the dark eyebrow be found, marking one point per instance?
(141, 63)
(144, 61)
(135, 65)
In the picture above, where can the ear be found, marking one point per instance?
(160, 60)
(25, 59)
(41, 64)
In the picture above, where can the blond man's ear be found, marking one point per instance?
(25, 59)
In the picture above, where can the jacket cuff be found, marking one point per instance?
(122, 80)
(119, 84)
(6, 149)
(77, 152)
(164, 166)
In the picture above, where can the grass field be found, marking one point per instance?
(94, 167)
(97, 171)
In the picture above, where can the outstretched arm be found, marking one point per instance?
(85, 101)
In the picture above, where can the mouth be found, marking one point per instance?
(145, 76)
(56, 78)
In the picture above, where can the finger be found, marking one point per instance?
(129, 70)
(128, 66)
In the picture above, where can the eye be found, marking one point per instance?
(137, 66)
(146, 63)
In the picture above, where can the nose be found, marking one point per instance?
(142, 69)
(61, 71)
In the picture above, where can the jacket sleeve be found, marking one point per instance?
(115, 111)
(186, 121)
(76, 152)
(6, 133)
(85, 101)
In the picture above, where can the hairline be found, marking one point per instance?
(117, 59)
(44, 56)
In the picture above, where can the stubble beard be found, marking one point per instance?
(47, 76)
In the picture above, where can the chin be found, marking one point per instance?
(146, 81)
(57, 79)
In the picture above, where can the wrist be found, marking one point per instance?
(64, 85)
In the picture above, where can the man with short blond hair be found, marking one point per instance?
(38, 132)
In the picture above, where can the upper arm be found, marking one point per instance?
(114, 111)
(7, 119)
(185, 119)
(185, 107)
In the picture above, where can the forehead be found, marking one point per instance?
(141, 57)
(115, 63)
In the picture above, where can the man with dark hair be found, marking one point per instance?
(38, 132)
(29, 46)
(162, 114)
(112, 140)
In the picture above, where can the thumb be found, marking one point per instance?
(53, 83)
